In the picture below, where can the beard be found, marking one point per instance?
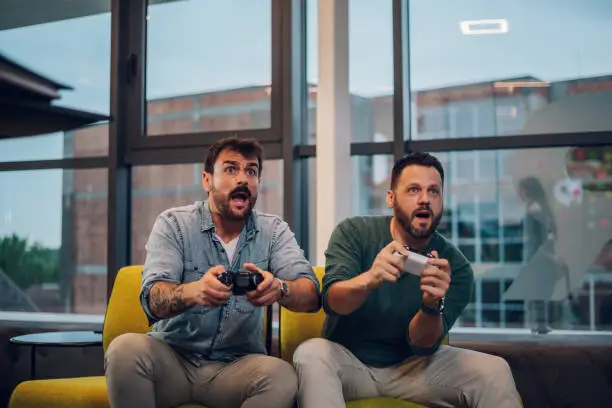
(223, 203)
(406, 220)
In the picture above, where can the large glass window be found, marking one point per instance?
(208, 66)
(481, 68)
(45, 42)
(53, 227)
(371, 180)
(537, 228)
(157, 188)
(370, 69)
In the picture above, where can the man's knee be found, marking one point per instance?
(487, 367)
(313, 351)
(495, 367)
(278, 377)
(126, 350)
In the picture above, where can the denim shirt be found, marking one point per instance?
(183, 246)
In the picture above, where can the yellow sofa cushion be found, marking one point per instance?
(86, 392)
(382, 403)
(298, 327)
(124, 313)
(83, 392)
(90, 392)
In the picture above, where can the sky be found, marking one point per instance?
(202, 45)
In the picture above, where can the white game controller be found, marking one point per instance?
(415, 263)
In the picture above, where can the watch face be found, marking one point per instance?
(284, 289)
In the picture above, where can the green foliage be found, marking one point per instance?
(28, 264)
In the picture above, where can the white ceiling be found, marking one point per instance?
(19, 13)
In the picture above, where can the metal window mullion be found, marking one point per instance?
(72, 163)
(128, 43)
(402, 129)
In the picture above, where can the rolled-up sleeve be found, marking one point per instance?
(287, 259)
(164, 260)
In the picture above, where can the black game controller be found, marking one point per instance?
(243, 281)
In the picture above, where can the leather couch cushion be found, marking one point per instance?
(556, 375)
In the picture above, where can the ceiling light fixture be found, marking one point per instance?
(482, 27)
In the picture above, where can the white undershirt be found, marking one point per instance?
(230, 247)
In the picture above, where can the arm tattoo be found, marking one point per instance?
(166, 299)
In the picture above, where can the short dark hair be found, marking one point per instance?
(246, 147)
(415, 158)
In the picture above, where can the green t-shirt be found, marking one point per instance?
(377, 332)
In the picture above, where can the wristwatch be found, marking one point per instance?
(284, 288)
(438, 310)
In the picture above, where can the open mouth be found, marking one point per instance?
(240, 197)
(423, 215)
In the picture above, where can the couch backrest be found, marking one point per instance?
(298, 327)
(124, 313)
(295, 328)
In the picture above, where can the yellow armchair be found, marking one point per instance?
(123, 315)
(298, 327)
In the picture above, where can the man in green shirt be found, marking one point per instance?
(384, 326)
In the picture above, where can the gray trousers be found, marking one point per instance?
(144, 372)
(329, 374)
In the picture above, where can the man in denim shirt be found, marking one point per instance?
(207, 345)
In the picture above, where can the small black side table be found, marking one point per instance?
(56, 339)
